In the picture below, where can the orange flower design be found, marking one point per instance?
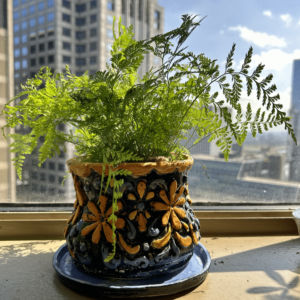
(99, 220)
(140, 214)
(171, 206)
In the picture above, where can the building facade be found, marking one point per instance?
(57, 33)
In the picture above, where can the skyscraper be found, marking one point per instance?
(77, 33)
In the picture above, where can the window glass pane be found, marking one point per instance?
(110, 6)
(93, 46)
(93, 32)
(15, 3)
(24, 25)
(66, 32)
(16, 15)
(93, 4)
(50, 3)
(66, 46)
(80, 48)
(80, 8)
(32, 22)
(17, 65)
(24, 63)
(41, 20)
(110, 34)
(93, 60)
(24, 12)
(32, 9)
(110, 19)
(16, 27)
(80, 35)
(41, 6)
(66, 18)
(66, 59)
(24, 51)
(93, 18)
(50, 17)
(80, 62)
(66, 3)
(50, 45)
(17, 52)
(80, 21)
(32, 49)
(24, 38)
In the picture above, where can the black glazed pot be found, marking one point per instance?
(156, 229)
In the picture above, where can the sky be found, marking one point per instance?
(272, 28)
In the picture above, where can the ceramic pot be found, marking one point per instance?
(156, 229)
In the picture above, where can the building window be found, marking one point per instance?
(66, 4)
(93, 19)
(24, 25)
(50, 30)
(41, 47)
(93, 46)
(140, 10)
(66, 59)
(50, 17)
(61, 167)
(61, 127)
(32, 9)
(80, 62)
(32, 36)
(34, 175)
(42, 60)
(108, 46)
(51, 178)
(50, 59)
(16, 27)
(41, 33)
(80, 8)
(80, 35)
(43, 177)
(93, 4)
(93, 60)
(66, 18)
(24, 63)
(50, 45)
(17, 52)
(41, 6)
(24, 1)
(60, 179)
(66, 32)
(24, 12)
(17, 65)
(110, 5)
(41, 20)
(24, 51)
(123, 7)
(24, 38)
(33, 49)
(33, 62)
(110, 34)
(156, 20)
(131, 9)
(50, 3)
(110, 19)
(16, 15)
(32, 22)
(80, 48)
(66, 46)
(15, 3)
(52, 166)
(16, 40)
(93, 32)
(80, 21)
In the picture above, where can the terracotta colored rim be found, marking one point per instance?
(83, 169)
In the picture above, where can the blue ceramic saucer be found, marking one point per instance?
(191, 275)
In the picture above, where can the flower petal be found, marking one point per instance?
(108, 232)
(180, 202)
(109, 211)
(147, 214)
(163, 196)
(142, 221)
(159, 243)
(102, 200)
(176, 224)
(132, 215)
(129, 249)
(141, 188)
(131, 197)
(89, 218)
(89, 228)
(93, 208)
(186, 226)
(173, 188)
(150, 195)
(97, 234)
(178, 195)
(160, 206)
(165, 218)
(179, 212)
(183, 241)
(120, 223)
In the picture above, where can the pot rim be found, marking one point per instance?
(83, 169)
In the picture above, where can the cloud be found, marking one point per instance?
(259, 38)
(267, 13)
(287, 19)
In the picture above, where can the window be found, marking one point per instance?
(50, 45)
(123, 6)
(51, 178)
(33, 49)
(32, 9)
(15, 3)
(34, 175)
(110, 19)
(32, 22)
(16, 15)
(93, 19)
(24, 63)
(61, 167)
(110, 34)
(17, 65)
(140, 10)
(93, 4)
(80, 8)
(156, 19)
(41, 47)
(41, 6)
(80, 48)
(66, 3)
(50, 31)
(23, 1)
(93, 32)
(66, 46)
(16, 40)
(108, 46)
(24, 51)
(17, 52)
(41, 33)
(61, 127)
(66, 32)
(80, 21)
(50, 59)
(66, 59)
(43, 177)
(51, 165)
(80, 62)
(24, 38)
(60, 179)
(93, 46)
(16, 27)
(42, 60)
(32, 62)
(66, 18)
(80, 35)
(32, 36)
(50, 17)
(50, 3)
(24, 12)
(24, 25)
(93, 60)
(41, 20)
(110, 5)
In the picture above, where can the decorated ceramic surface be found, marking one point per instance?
(156, 229)
(296, 215)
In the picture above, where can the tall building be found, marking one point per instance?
(77, 33)
(7, 173)
(293, 151)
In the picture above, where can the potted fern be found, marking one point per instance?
(132, 215)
